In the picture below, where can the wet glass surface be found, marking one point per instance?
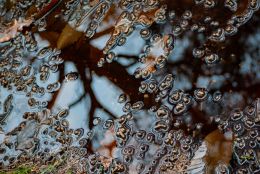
(129, 86)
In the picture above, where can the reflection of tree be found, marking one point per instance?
(85, 56)
(77, 48)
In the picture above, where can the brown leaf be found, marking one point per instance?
(51, 36)
(68, 36)
(219, 150)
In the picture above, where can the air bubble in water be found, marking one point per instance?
(209, 3)
(199, 1)
(217, 96)
(180, 108)
(211, 59)
(222, 169)
(110, 57)
(122, 98)
(108, 124)
(201, 94)
(175, 96)
(71, 76)
(218, 35)
(177, 30)
(187, 15)
(163, 112)
(96, 121)
(231, 4)
(230, 30)
(171, 14)
(145, 33)
(198, 53)
(137, 106)
(143, 87)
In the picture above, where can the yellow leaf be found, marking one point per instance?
(68, 36)
(219, 149)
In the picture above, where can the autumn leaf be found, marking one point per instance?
(68, 36)
(219, 149)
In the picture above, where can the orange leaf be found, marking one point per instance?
(68, 36)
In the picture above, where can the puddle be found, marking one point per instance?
(119, 86)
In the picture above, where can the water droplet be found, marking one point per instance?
(96, 121)
(163, 112)
(63, 113)
(143, 87)
(140, 134)
(198, 53)
(175, 96)
(180, 108)
(177, 30)
(137, 106)
(110, 57)
(122, 98)
(231, 5)
(209, 3)
(71, 76)
(145, 33)
(172, 14)
(161, 126)
(211, 59)
(108, 124)
(218, 35)
(187, 15)
(217, 96)
(201, 94)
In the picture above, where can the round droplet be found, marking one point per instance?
(201, 94)
(163, 112)
(211, 59)
(65, 123)
(71, 76)
(140, 134)
(137, 106)
(187, 99)
(122, 98)
(236, 115)
(110, 57)
(217, 96)
(175, 96)
(187, 15)
(145, 33)
(172, 14)
(198, 53)
(96, 121)
(143, 87)
(161, 126)
(108, 124)
(180, 108)
(177, 30)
